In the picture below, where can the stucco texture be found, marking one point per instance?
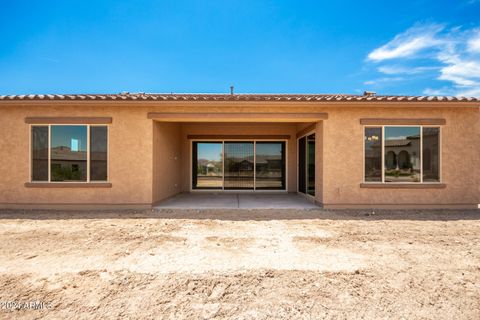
(343, 159)
(129, 160)
(150, 160)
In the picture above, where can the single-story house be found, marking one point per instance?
(134, 150)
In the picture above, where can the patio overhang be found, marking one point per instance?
(237, 117)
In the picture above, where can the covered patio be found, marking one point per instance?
(237, 160)
(237, 201)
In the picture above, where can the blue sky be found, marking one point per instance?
(392, 47)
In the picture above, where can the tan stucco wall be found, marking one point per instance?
(167, 165)
(240, 129)
(142, 151)
(130, 157)
(343, 158)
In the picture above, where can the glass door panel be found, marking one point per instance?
(207, 165)
(270, 165)
(311, 165)
(302, 172)
(239, 165)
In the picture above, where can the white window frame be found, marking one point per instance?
(222, 141)
(421, 153)
(50, 157)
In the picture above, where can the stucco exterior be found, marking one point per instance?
(149, 159)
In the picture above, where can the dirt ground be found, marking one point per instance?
(240, 264)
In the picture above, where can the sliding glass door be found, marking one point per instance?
(306, 165)
(270, 165)
(239, 165)
(207, 165)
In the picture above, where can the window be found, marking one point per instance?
(373, 154)
(402, 154)
(69, 153)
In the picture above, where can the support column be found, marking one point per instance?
(319, 162)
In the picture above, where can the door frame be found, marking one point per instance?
(306, 195)
(254, 190)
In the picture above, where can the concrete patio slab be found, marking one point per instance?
(236, 201)
(275, 201)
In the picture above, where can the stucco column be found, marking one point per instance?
(319, 162)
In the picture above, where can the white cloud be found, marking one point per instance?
(383, 80)
(474, 43)
(396, 69)
(408, 43)
(453, 54)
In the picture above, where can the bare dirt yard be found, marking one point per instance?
(240, 264)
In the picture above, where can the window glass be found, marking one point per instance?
(402, 154)
(302, 165)
(40, 153)
(239, 165)
(208, 166)
(373, 154)
(269, 165)
(311, 164)
(68, 153)
(98, 153)
(431, 154)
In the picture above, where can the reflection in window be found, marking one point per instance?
(311, 164)
(68, 152)
(270, 165)
(373, 155)
(239, 165)
(40, 153)
(431, 154)
(208, 165)
(98, 153)
(411, 154)
(402, 154)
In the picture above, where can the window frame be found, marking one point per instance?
(192, 189)
(49, 181)
(421, 182)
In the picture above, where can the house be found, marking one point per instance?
(341, 151)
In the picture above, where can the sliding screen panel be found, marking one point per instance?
(239, 165)
(270, 165)
(302, 170)
(207, 165)
(402, 154)
(311, 164)
(431, 154)
(39, 153)
(68, 149)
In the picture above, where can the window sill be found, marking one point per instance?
(392, 185)
(68, 185)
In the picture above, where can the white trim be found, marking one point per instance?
(383, 155)
(49, 153)
(30, 153)
(421, 154)
(88, 153)
(255, 165)
(212, 190)
(440, 163)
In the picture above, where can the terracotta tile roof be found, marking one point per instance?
(397, 143)
(236, 97)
